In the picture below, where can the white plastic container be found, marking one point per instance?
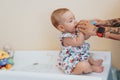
(41, 65)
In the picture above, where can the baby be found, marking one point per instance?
(74, 57)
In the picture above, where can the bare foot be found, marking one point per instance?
(97, 62)
(98, 69)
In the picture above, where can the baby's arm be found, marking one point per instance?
(87, 37)
(68, 41)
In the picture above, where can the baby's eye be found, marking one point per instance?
(70, 21)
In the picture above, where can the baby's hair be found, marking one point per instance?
(56, 15)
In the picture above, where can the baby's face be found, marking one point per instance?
(68, 21)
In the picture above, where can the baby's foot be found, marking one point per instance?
(98, 69)
(98, 62)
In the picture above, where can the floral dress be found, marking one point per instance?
(69, 56)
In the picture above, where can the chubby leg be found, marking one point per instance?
(86, 67)
(95, 62)
(82, 67)
(96, 65)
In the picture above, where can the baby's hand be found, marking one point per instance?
(83, 25)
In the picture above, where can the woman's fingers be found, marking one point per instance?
(82, 30)
(82, 25)
(88, 29)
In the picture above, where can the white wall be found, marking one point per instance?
(25, 24)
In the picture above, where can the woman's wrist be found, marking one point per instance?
(95, 30)
(103, 31)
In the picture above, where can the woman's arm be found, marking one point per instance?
(109, 23)
(74, 41)
(110, 32)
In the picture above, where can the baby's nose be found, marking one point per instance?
(75, 22)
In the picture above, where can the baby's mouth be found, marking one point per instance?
(75, 26)
(76, 30)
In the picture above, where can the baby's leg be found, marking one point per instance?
(82, 67)
(95, 62)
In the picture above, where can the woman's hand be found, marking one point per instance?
(87, 28)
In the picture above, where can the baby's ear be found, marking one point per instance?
(61, 28)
